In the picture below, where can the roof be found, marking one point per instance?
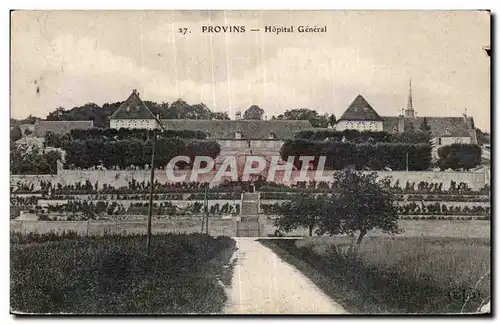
(60, 127)
(440, 126)
(133, 108)
(360, 109)
(249, 129)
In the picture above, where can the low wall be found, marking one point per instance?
(475, 180)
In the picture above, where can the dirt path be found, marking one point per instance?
(263, 284)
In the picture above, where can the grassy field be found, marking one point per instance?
(114, 274)
(418, 228)
(395, 275)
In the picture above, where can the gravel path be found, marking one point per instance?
(263, 284)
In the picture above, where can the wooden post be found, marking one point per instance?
(150, 214)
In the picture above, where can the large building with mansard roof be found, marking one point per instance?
(267, 136)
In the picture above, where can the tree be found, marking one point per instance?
(58, 114)
(362, 203)
(254, 113)
(312, 116)
(482, 137)
(222, 115)
(15, 133)
(425, 129)
(305, 211)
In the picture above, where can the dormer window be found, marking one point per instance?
(447, 130)
(272, 135)
(238, 135)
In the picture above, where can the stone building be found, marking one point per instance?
(133, 114)
(361, 116)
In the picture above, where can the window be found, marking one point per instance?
(238, 135)
(439, 141)
(272, 135)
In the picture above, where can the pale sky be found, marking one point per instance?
(75, 57)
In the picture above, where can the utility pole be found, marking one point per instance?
(152, 177)
(203, 215)
(406, 161)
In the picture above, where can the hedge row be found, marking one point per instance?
(362, 137)
(441, 209)
(84, 210)
(133, 152)
(55, 140)
(418, 209)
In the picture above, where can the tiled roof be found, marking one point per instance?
(249, 129)
(133, 108)
(60, 127)
(440, 126)
(360, 109)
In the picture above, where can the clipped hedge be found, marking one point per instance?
(133, 152)
(364, 156)
(362, 137)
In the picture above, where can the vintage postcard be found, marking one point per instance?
(250, 162)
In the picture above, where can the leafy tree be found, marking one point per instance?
(362, 203)
(15, 133)
(424, 127)
(358, 203)
(58, 114)
(30, 160)
(254, 113)
(305, 211)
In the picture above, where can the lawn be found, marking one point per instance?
(114, 274)
(395, 275)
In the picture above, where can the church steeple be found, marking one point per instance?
(409, 112)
